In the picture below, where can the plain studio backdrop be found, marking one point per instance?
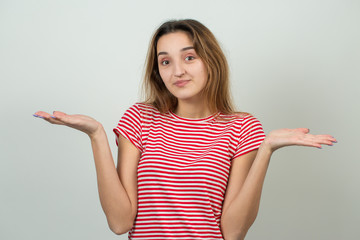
(293, 64)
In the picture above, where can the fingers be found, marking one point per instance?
(60, 115)
(326, 140)
(307, 139)
(319, 140)
(49, 118)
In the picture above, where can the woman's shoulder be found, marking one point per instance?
(239, 120)
(236, 116)
(145, 108)
(247, 119)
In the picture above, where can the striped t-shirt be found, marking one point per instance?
(184, 169)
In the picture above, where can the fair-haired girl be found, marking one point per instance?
(189, 166)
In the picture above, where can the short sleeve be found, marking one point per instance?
(251, 136)
(129, 126)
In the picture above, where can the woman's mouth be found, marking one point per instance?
(181, 83)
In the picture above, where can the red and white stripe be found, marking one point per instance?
(184, 169)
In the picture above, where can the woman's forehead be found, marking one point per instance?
(175, 41)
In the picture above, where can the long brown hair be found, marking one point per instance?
(216, 90)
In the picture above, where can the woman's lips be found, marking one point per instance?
(181, 83)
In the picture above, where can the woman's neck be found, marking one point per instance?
(197, 109)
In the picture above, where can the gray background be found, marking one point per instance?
(293, 64)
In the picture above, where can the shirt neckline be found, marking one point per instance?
(205, 119)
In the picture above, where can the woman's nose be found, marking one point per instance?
(179, 70)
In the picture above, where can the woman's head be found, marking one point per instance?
(216, 89)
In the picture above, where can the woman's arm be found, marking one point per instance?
(247, 176)
(243, 193)
(117, 188)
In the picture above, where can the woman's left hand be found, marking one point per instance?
(300, 136)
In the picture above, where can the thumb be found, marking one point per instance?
(303, 130)
(61, 116)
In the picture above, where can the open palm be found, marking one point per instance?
(83, 123)
(299, 136)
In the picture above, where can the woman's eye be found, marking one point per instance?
(165, 62)
(188, 58)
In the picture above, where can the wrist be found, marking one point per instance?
(266, 147)
(99, 132)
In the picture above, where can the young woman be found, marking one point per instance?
(189, 166)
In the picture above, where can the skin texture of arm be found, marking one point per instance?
(247, 175)
(117, 186)
(243, 193)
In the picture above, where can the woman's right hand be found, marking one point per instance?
(83, 123)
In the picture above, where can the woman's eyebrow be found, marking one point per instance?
(183, 49)
(187, 48)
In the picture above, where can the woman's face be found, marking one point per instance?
(182, 71)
